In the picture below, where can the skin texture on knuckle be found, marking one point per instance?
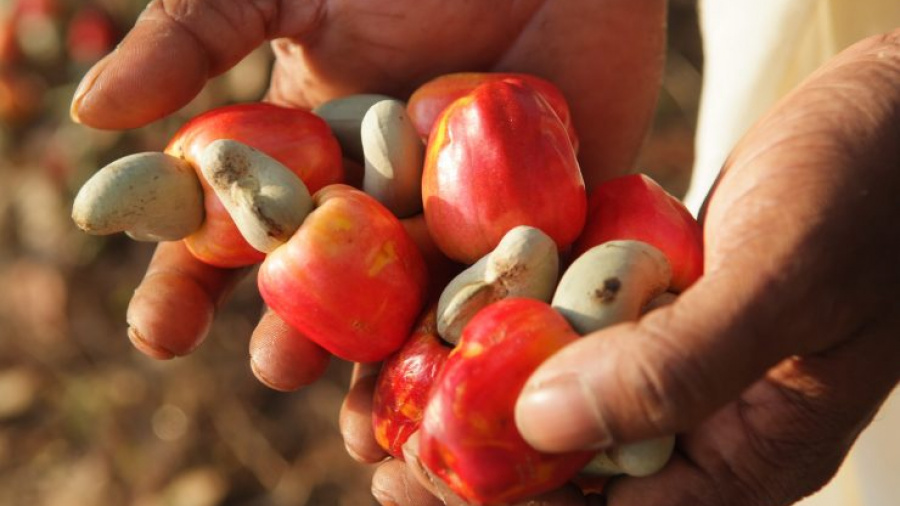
(669, 388)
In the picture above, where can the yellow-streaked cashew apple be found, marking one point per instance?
(404, 383)
(350, 278)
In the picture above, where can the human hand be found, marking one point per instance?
(328, 49)
(770, 365)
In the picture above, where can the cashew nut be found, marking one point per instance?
(524, 264)
(612, 283)
(149, 196)
(642, 458)
(265, 199)
(394, 155)
(344, 115)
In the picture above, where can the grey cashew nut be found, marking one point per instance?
(394, 157)
(344, 116)
(611, 283)
(639, 459)
(525, 263)
(149, 196)
(267, 201)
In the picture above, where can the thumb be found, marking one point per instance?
(795, 265)
(173, 49)
(649, 378)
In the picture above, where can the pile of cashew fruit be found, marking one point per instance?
(488, 161)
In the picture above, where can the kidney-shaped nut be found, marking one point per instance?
(344, 116)
(394, 156)
(524, 264)
(611, 283)
(639, 459)
(149, 196)
(265, 199)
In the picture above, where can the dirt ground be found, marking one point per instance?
(87, 420)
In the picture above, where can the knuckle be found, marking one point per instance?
(670, 386)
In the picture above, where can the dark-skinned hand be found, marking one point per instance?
(769, 367)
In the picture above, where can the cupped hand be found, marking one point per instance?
(605, 56)
(769, 366)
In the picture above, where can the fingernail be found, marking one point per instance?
(560, 414)
(261, 376)
(137, 339)
(383, 498)
(84, 89)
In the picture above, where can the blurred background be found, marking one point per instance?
(84, 418)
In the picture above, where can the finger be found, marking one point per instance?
(173, 307)
(356, 416)
(789, 271)
(646, 379)
(174, 47)
(393, 484)
(282, 358)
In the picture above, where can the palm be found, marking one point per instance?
(355, 47)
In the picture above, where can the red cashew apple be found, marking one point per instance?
(498, 158)
(636, 207)
(90, 34)
(428, 101)
(350, 278)
(298, 139)
(10, 52)
(404, 384)
(21, 95)
(468, 436)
